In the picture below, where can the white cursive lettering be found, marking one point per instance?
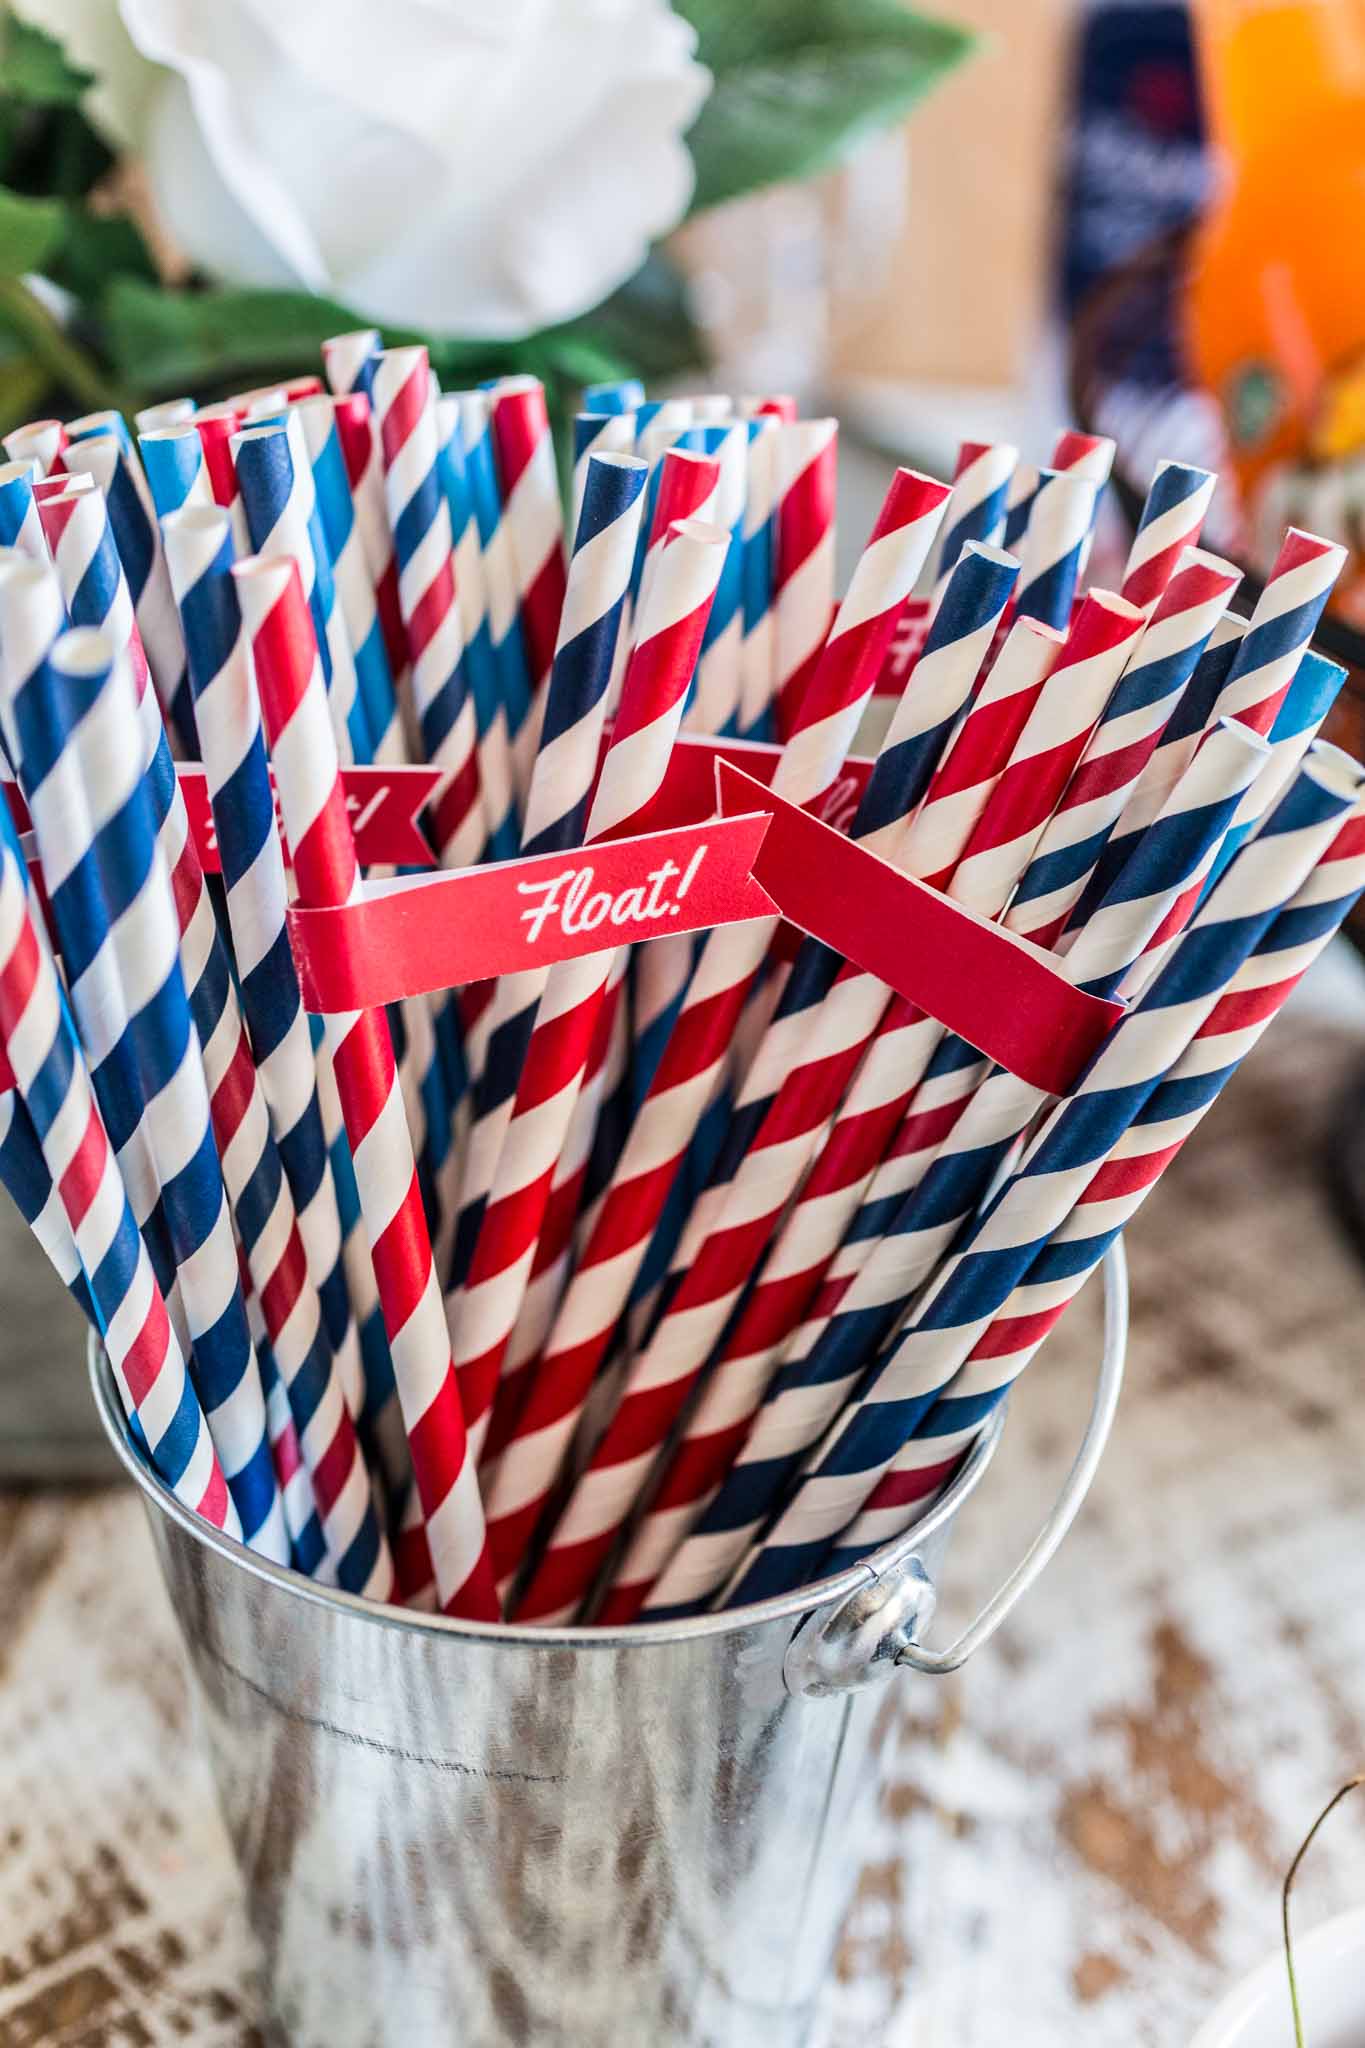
(572, 902)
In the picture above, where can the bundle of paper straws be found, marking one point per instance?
(678, 1274)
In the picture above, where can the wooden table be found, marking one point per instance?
(1083, 1834)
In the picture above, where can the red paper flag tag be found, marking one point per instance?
(1002, 994)
(384, 805)
(439, 931)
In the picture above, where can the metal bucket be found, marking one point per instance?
(572, 1838)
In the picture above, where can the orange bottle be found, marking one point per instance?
(1275, 309)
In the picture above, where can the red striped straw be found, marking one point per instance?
(524, 447)
(420, 519)
(831, 708)
(40, 441)
(803, 565)
(652, 700)
(365, 472)
(313, 806)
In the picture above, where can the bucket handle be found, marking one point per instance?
(875, 1630)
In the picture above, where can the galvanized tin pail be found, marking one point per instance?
(569, 1838)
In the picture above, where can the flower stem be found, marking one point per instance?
(65, 361)
(1351, 1785)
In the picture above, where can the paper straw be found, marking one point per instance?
(215, 426)
(831, 707)
(1252, 998)
(426, 586)
(756, 655)
(1314, 690)
(138, 539)
(348, 360)
(147, 1362)
(365, 472)
(500, 582)
(1019, 495)
(1058, 529)
(199, 552)
(716, 692)
(94, 587)
(557, 802)
(597, 433)
(652, 699)
(524, 449)
(20, 526)
(624, 394)
(496, 775)
(41, 441)
(1083, 1131)
(1255, 680)
(307, 1544)
(308, 778)
(1128, 735)
(82, 753)
(177, 474)
(976, 509)
(803, 573)
(166, 413)
(1173, 514)
(351, 577)
(276, 483)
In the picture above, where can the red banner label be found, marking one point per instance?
(384, 803)
(438, 931)
(1002, 994)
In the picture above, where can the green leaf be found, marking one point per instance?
(34, 67)
(96, 249)
(30, 230)
(799, 82)
(202, 340)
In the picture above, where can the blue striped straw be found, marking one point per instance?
(714, 706)
(199, 549)
(496, 779)
(111, 903)
(177, 474)
(500, 585)
(625, 394)
(1019, 496)
(1081, 1133)
(1314, 690)
(596, 433)
(942, 683)
(351, 576)
(20, 526)
(147, 1361)
(349, 360)
(276, 483)
(1058, 530)
(107, 457)
(561, 784)
(976, 509)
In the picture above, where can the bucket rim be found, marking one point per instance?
(794, 1606)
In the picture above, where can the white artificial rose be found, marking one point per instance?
(475, 167)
